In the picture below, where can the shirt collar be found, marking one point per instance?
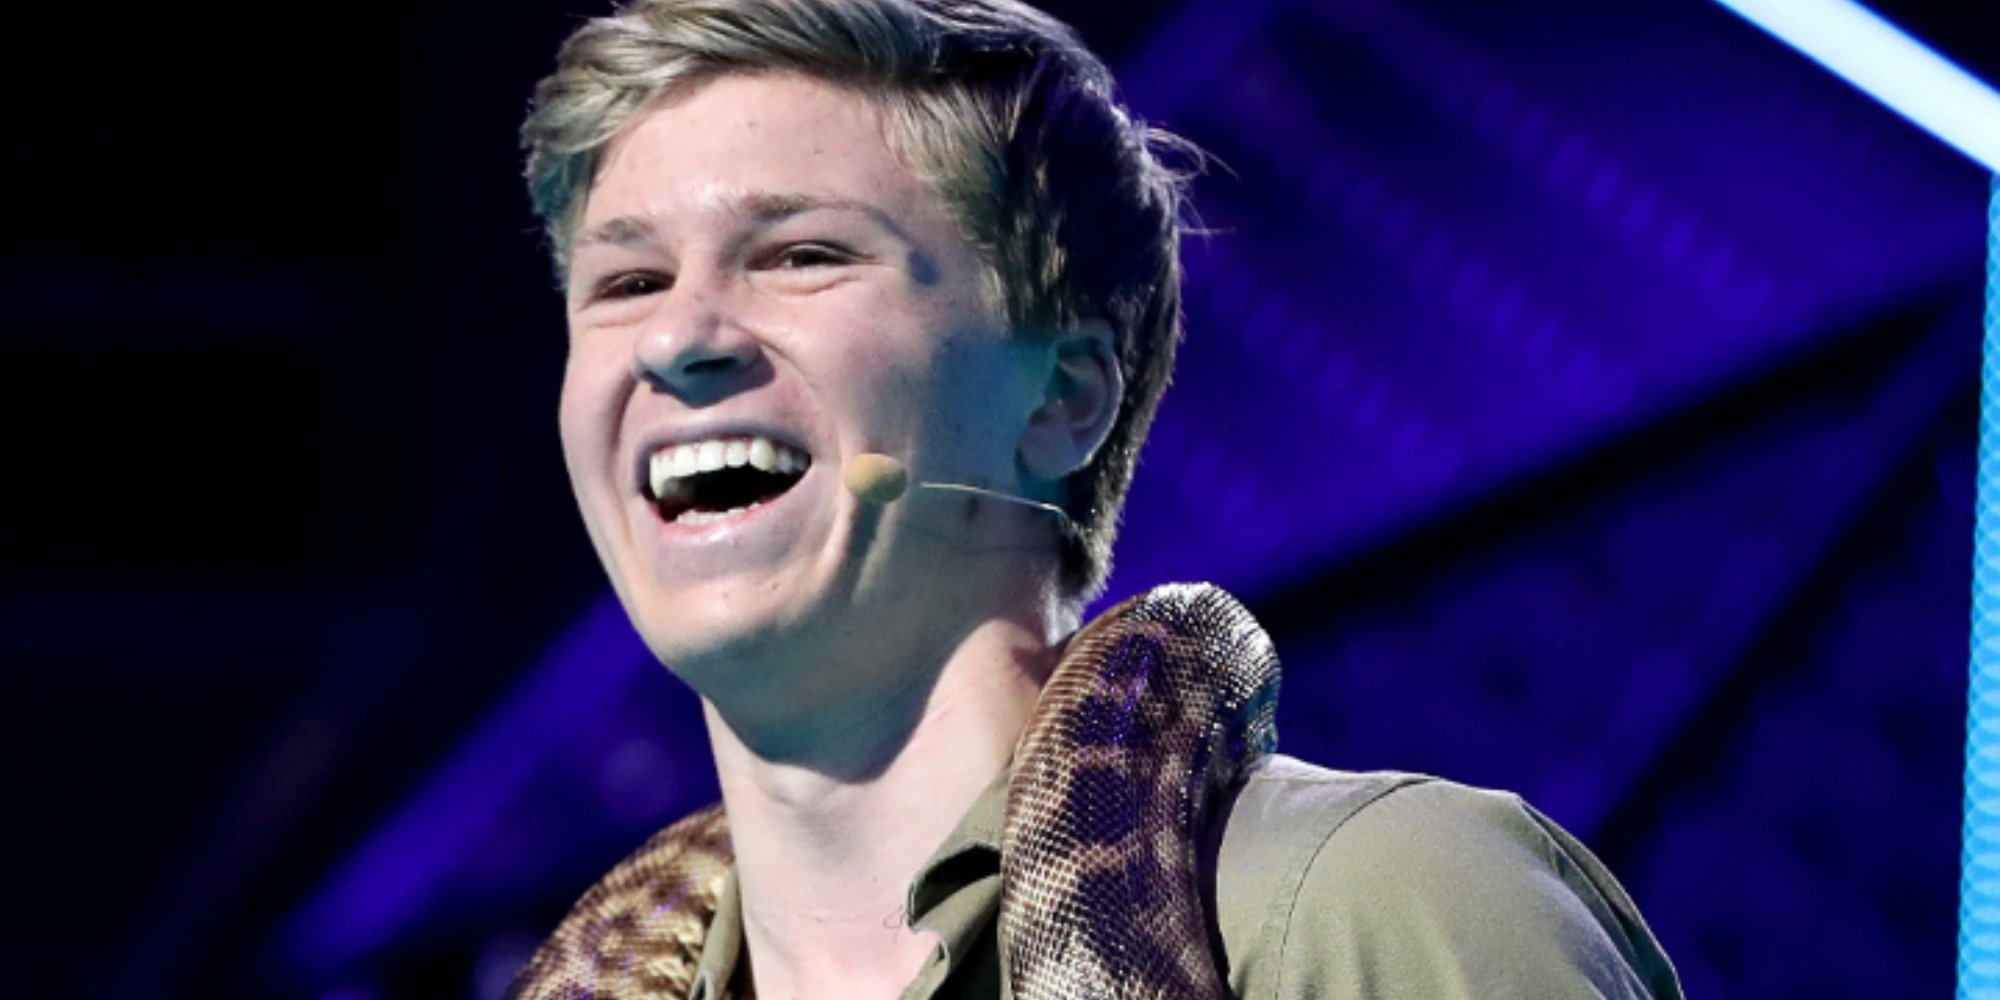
(717, 963)
(969, 858)
(970, 851)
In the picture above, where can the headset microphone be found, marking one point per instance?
(879, 479)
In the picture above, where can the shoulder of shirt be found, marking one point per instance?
(1283, 816)
(1286, 811)
(1312, 853)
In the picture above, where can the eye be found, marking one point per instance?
(631, 285)
(799, 256)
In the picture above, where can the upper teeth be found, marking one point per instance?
(682, 460)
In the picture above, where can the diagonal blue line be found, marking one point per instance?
(383, 887)
(1857, 45)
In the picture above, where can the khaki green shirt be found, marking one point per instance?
(1330, 884)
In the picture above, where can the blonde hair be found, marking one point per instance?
(1070, 201)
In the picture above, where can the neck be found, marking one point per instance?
(829, 835)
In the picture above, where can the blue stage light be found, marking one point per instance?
(1888, 65)
(1952, 105)
(1979, 902)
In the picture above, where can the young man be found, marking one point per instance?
(800, 235)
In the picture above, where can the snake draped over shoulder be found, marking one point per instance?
(1154, 710)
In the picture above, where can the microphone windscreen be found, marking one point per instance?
(875, 478)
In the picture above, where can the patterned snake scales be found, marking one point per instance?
(1153, 711)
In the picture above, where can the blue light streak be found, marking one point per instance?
(383, 888)
(1888, 65)
(1949, 103)
(1979, 898)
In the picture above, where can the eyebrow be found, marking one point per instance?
(624, 231)
(633, 231)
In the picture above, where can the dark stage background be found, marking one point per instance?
(1582, 393)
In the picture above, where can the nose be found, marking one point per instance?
(697, 352)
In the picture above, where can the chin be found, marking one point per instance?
(723, 630)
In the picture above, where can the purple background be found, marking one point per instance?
(1582, 393)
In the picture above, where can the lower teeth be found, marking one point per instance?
(699, 517)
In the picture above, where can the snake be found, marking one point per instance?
(1152, 714)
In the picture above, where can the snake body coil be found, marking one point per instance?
(1155, 709)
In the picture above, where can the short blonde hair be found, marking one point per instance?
(1070, 201)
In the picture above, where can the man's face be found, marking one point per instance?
(759, 282)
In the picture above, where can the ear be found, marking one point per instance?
(1079, 403)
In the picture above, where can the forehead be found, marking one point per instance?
(746, 137)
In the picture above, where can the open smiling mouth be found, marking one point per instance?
(705, 481)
